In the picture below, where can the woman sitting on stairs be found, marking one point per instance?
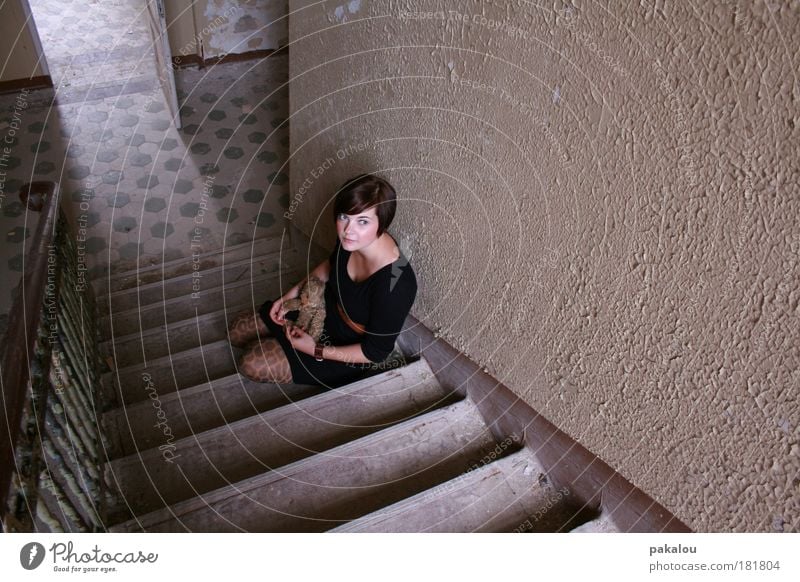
(369, 290)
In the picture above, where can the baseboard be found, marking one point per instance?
(595, 485)
(197, 61)
(184, 61)
(15, 85)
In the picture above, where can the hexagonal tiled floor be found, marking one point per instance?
(141, 188)
(125, 224)
(253, 196)
(162, 229)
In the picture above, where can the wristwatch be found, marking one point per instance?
(318, 352)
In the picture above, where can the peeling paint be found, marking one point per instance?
(245, 23)
(340, 12)
(231, 27)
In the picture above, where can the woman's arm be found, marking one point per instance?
(352, 354)
(321, 271)
(302, 342)
(390, 306)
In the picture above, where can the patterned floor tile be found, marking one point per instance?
(143, 189)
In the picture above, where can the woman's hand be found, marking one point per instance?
(277, 313)
(300, 340)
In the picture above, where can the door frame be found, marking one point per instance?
(157, 23)
(30, 24)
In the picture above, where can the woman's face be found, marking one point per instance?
(357, 231)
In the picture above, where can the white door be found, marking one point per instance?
(37, 43)
(158, 29)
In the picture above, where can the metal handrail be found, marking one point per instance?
(21, 335)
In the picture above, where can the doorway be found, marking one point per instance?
(95, 48)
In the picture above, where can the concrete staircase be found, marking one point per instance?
(196, 447)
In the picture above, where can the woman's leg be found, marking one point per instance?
(264, 361)
(245, 327)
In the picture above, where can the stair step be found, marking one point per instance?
(176, 336)
(186, 265)
(253, 292)
(201, 277)
(344, 483)
(500, 496)
(239, 450)
(174, 372)
(600, 524)
(196, 409)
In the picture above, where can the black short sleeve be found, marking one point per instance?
(390, 303)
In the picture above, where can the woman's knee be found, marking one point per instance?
(266, 362)
(249, 370)
(246, 326)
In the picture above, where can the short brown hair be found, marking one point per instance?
(365, 191)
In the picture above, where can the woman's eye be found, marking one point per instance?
(363, 222)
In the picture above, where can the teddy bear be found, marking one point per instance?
(311, 303)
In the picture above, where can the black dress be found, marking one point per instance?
(380, 303)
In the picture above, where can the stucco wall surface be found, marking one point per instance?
(601, 205)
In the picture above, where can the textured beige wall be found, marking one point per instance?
(601, 205)
(19, 56)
